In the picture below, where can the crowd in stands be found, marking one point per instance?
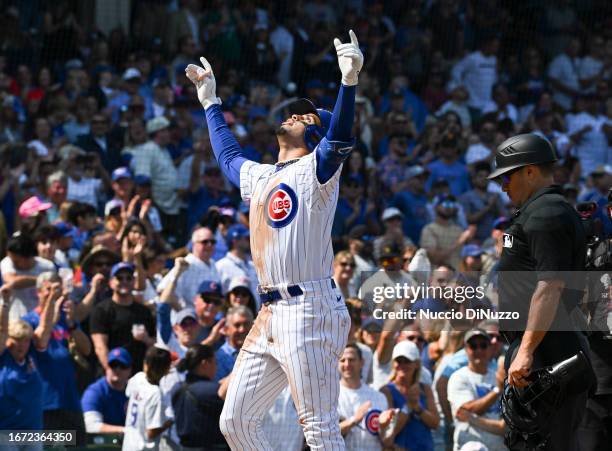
(127, 284)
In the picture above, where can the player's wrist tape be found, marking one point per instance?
(206, 103)
(350, 79)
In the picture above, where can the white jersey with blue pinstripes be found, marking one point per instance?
(291, 216)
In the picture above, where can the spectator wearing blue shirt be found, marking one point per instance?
(61, 400)
(602, 180)
(104, 402)
(238, 323)
(353, 208)
(448, 167)
(204, 192)
(412, 202)
(21, 384)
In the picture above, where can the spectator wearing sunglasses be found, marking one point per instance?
(201, 267)
(104, 402)
(120, 321)
(442, 238)
(473, 393)
(344, 269)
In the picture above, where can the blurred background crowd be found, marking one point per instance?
(122, 242)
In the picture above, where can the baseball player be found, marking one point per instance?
(302, 328)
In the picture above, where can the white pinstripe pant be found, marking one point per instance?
(297, 341)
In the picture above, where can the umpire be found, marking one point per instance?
(542, 279)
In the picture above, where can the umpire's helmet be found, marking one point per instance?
(522, 150)
(313, 133)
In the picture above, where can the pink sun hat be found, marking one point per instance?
(32, 206)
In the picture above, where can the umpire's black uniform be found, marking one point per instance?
(546, 241)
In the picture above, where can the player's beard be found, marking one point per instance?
(281, 131)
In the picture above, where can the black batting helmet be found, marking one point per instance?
(522, 150)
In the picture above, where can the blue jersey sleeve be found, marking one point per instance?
(228, 152)
(338, 143)
(163, 322)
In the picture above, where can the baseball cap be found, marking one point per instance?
(120, 355)
(236, 232)
(185, 313)
(239, 282)
(63, 228)
(475, 333)
(121, 173)
(32, 206)
(471, 250)
(391, 212)
(122, 266)
(131, 73)
(156, 124)
(371, 325)
(501, 223)
(407, 349)
(210, 287)
(602, 169)
(414, 171)
(446, 200)
(111, 205)
(141, 180)
(389, 248)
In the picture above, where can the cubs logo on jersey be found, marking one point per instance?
(371, 421)
(281, 206)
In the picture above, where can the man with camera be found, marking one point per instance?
(542, 279)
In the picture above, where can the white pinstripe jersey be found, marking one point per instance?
(291, 216)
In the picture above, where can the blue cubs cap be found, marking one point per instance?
(120, 355)
(63, 228)
(141, 180)
(313, 133)
(236, 232)
(471, 250)
(210, 287)
(121, 173)
(122, 266)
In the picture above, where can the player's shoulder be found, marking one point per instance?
(252, 168)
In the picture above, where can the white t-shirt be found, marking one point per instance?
(464, 385)
(364, 435)
(593, 149)
(85, 190)
(145, 411)
(565, 70)
(24, 299)
(478, 73)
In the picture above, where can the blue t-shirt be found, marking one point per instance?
(455, 174)
(415, 434)
(101, 397)
(56, 368)
(21, 393)
(414, 208)
(226, 357)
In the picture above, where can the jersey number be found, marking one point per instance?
(133, 414)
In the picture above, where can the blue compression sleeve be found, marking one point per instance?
(337, 144)
(225, 147)
(163, 322)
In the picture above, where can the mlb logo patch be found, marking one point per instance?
(508, 240)
(281, 206)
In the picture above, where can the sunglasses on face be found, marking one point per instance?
(416, 338)
(242, 292)
(118, 366)
(187, 323)
(347, 264)
(211, 242)
(124, 278)
(481, 345)
(390, 261)
(211, 300)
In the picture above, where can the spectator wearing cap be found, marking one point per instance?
(186, 331)
(205, 190)
(132, 79)
(414, 399)
(602, 181)
(57, 190)
(237, 261)
(153, 160)
(588, 130)
(238, 323)
(84, 219)
(123, 187)
(354, 208)
(477, 71)
(104, 402)
(457, 104)
(411, 202)
(392, 220)
(120, 321)
(19, 270)
(239, 293)
(32, 213)
(61, 406)
(483, 149)
(481, 207)
(473, 393)
(471, 264)
(201, 267)
(100, 141)
(391, 169)
(448, 167)
(442, 239)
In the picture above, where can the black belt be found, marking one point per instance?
(276, 295)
